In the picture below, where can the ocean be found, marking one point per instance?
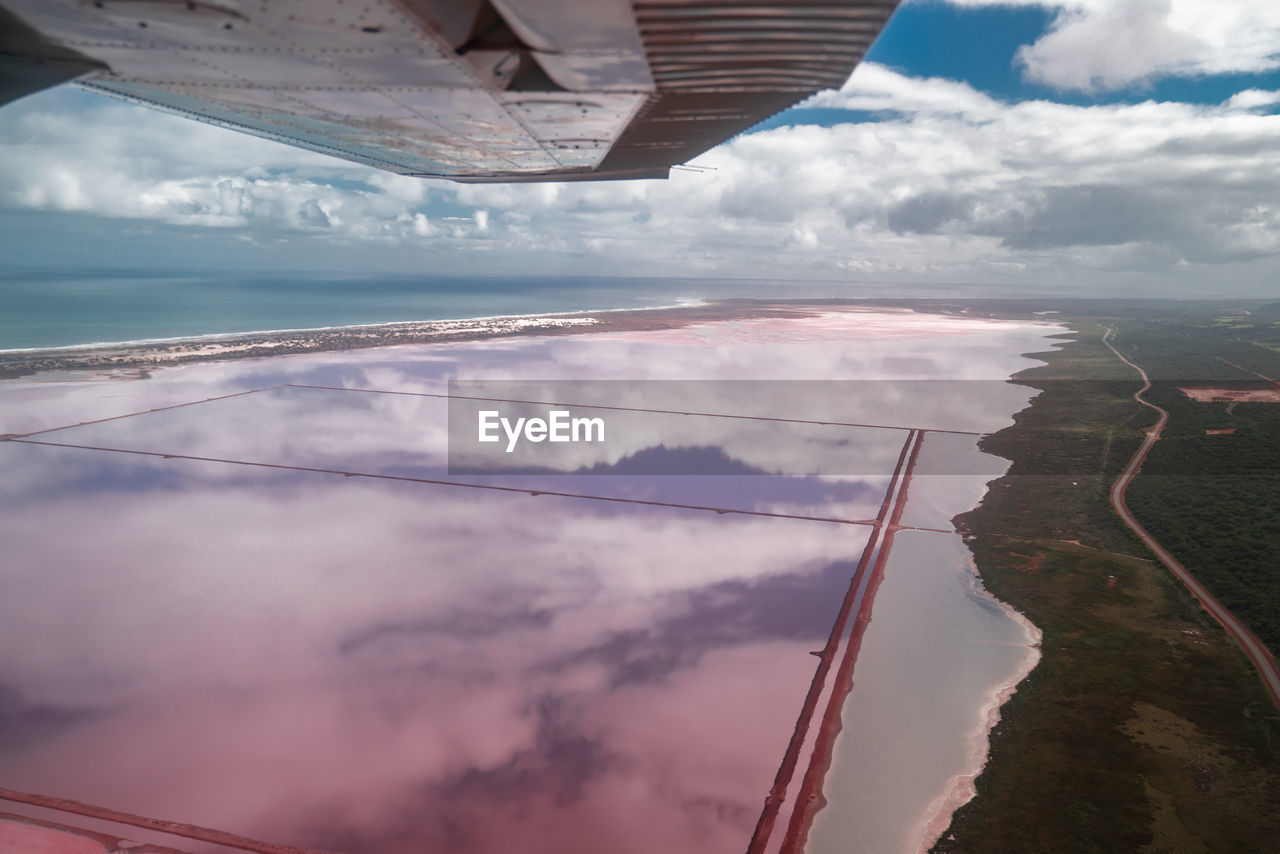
(44, 309)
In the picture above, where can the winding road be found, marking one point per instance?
(1258, 654)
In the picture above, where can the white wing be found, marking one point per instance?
(473, 90)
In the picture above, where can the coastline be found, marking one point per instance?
(1119, 642)
(144, 353)
(343, 327)
(936, 788)
(151, 353)
(961, 788)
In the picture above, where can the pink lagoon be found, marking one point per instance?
(256, 596)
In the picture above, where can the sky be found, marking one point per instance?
(1127, 147)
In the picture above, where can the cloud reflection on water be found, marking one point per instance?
(329, 651)
(379, 666)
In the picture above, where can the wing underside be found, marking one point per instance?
(472, 90)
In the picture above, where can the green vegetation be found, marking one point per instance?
(1144, 728)
(1214, 500)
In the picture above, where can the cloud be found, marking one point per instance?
(1102, 45)
(928, 213)
(950, 184)
(68, 151)
(310, 213)
(1193, 181)
(876, 88)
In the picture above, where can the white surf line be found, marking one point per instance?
(232, 337)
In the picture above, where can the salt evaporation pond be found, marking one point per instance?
(212, 624)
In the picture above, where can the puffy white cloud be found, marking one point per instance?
(951, 185)
(74, 152)
(876, 88)
(1095, 45)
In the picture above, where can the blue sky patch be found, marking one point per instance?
(973, 45)
(979, 47)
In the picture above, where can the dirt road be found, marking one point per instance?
(1252, 647)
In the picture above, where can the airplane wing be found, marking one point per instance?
(471, 90)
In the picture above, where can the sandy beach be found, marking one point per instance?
(158, 353)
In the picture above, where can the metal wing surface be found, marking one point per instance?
(471, 90)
